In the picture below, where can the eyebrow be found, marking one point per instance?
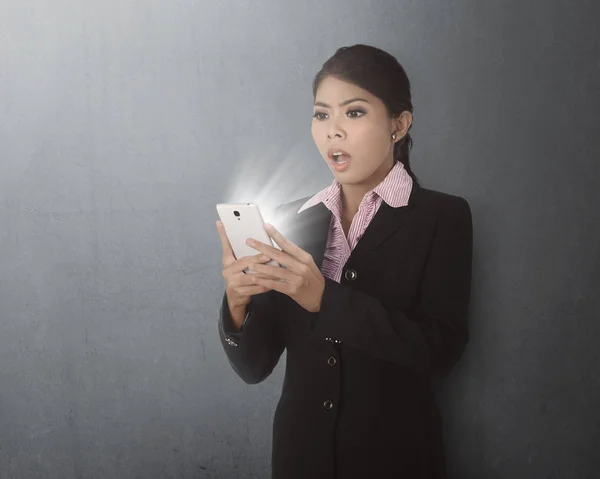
(351, 100)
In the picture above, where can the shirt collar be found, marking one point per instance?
(394, 190)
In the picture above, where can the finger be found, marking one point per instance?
(227, 256)
(276, 254)
(291, 248)
(282, 287)
(276, 272)
(258, 275)
(241, 264)
(242, 279)
(282, 257)
(286, 244)
(251, 290)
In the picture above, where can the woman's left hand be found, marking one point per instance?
(301, 279)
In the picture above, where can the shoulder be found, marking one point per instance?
(437, 202)
(449, 215)
(436, 197)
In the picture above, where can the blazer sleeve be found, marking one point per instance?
(434, 336)
(253, 351)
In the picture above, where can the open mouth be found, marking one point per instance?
(338, 156)
(340, 159)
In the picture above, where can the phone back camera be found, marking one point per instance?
(236, 213)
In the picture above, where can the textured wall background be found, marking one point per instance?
(122, 123)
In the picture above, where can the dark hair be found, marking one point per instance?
(380, 74)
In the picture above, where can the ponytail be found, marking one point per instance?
(402, 154)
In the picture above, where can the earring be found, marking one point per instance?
(394, 136)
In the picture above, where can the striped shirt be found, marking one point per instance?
(394, 190)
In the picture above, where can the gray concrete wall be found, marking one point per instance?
(122, 123)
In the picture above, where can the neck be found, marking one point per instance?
(352, 194)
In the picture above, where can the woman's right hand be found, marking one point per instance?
(239, 286)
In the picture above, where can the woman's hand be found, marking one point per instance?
(301, 279)
(239, 286)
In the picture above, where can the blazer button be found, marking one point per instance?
(350, 274)
(328, 404)
(332, 361)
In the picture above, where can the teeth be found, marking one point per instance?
(336, 157)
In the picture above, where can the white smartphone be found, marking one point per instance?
(243, 221)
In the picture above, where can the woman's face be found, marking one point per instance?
(352, 121)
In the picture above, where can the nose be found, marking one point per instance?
(335, 130)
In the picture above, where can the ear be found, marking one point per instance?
(402, 124)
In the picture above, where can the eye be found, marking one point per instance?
(319, 115)
(355, 113)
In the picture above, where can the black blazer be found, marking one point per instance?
(356, 400)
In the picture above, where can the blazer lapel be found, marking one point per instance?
(386, 222)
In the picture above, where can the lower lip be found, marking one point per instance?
(340, 166)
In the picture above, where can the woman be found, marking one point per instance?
(373, 299)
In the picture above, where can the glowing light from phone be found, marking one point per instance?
(269, 181)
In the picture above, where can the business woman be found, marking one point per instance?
(373, 300)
